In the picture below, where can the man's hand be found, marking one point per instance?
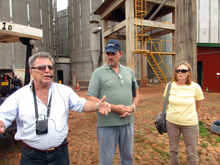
(121, 109)
(128, 112)
(103, 107)
(2, 127)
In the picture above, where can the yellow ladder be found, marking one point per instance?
(152, 55)
(156, 62)
(155, 66)
(140, 12)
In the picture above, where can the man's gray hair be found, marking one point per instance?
(39, 55)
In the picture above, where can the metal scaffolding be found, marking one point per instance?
(150, 48)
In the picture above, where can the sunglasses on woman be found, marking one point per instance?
(181, 70)
(43, 67)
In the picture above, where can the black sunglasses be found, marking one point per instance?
(181, 70)
(43, 67)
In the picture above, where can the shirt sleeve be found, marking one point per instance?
(165, 91)
(8, 110)
(199, 94)
(94, 85)
(76, 103)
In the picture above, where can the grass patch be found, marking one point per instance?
(163, 155)
(208, 104)
(204, 144)
(203, 131)
(4, 161)
(206, 134)
(217, 140)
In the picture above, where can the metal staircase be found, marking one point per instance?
(156, 61)
(149, 48)
(152, 61)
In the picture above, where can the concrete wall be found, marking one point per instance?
(62, 73)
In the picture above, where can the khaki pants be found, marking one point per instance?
(190, 136)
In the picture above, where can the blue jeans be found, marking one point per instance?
(109, 137)
(58, 157)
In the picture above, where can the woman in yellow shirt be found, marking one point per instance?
(185, 98)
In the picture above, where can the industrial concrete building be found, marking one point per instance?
(37, 14)
(80, 51)
(86, 43)
(207, 32)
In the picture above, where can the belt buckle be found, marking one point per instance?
(50, 149)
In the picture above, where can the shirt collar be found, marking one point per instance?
(30, 85)
(106, 66)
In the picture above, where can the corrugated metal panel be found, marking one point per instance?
(34, 7)
(82, 64)
(208, 21)
(19, 58)
(5, 10)
(94, 5)
(19, 12)
(214, 21)
(204, 21)
(45, 20)
(87, 66)
(15, 54)
(63, 37)
(6, 60)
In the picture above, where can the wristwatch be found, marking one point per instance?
(97, 105)
(134, 108)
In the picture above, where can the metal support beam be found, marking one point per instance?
(26, 41)
(158, 9)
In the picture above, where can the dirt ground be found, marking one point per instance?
(149, 146)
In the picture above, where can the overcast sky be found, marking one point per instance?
(62, 4)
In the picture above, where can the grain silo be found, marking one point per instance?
(62, 69)
(85, 39)
(82, 62)
(85, 45)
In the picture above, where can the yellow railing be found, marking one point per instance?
(151, 49)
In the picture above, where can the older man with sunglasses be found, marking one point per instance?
(41, 111)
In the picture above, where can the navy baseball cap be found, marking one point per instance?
(112, 46)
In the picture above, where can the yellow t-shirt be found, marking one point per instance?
(182, 103)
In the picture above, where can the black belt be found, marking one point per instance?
(45, 151)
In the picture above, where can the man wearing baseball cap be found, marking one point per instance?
(118, 83)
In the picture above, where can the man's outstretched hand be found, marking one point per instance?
(103, 107)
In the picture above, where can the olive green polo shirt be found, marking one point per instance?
(118, 91)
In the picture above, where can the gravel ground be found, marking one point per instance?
(149, 146)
